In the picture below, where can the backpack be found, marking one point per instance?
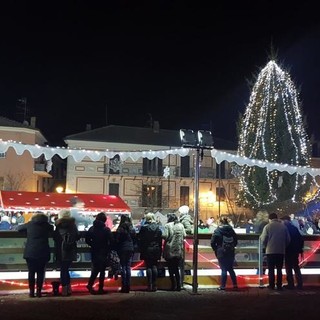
(228, 244)
(114, 264)
(68, 241)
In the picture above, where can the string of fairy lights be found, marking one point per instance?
(273, 99)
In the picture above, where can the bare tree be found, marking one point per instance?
(14, 181)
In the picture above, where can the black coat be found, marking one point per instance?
(217, 237)
(125, 237)
(100, 239)
(63, 225)
(38, 231)
(296, 240)
(150, 241)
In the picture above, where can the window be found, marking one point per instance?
(2, 155)
(152, 167)
(184, 196)
(185, 166)
(221, 170)
(220, 194)
(114, 189)
(151, 196)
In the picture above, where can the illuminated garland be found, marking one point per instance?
(78, 155)
(272, 130)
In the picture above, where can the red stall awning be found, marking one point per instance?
(46, 201)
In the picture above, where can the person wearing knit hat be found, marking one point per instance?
(65, 227)
(186, 219)
(184, 209)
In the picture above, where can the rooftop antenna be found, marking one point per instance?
(22, 108)
(106, 114)
(150, 121)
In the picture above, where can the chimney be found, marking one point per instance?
(156, 127)
(33, 122)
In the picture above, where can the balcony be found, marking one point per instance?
(40, 170)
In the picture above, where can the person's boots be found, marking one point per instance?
(69, 290)
(31, 291)
(89, 286)
(178, 281)
(149, 278)
(173, 283)
(154, 278)
(39, 288)
(64, 291)
(55, 287)
(101, 285)
(125, 289)
(39, 294)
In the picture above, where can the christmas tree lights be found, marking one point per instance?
(272, 129)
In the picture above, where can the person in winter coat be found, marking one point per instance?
(125, 240)
(100, 239)
(291, 258)
(150, 243)
(261, 220)
(37, 250)
(173, 249)
(225, 257)
(65, 254)
(275, 238)
(5, 223)
(186, 219)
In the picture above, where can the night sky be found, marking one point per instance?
(184, 64)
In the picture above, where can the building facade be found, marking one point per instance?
(156, 184)
(22, 172)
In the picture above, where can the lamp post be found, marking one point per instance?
(200, 141)
(59, 189)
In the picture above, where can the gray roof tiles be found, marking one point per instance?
(139, 135)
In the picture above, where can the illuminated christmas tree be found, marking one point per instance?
(272, 129)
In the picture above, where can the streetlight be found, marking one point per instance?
(199, 141)
(59, 189)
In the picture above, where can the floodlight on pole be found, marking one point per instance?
(199, 141)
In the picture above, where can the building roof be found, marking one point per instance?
(5, 122)
(46, 201)
(139, 135)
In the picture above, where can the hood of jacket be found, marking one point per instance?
(226, 230)
(65, 222)
(40, 218)
(99, 224)
(152, 226)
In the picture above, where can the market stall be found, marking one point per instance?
(51, 203)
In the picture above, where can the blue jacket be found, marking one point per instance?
(217, 236)
(296, 243)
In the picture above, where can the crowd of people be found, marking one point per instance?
(281, 239)
(153, 241)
